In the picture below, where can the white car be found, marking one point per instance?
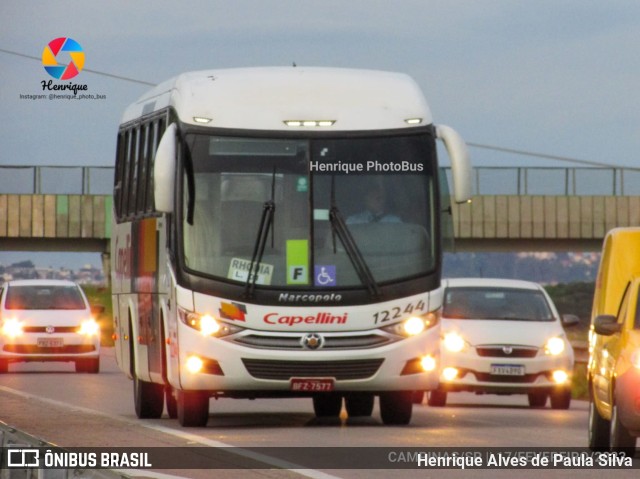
(503, 337)
(48, 320)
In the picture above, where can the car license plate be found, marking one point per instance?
(507, 370)
(50, 342)
(312, 385)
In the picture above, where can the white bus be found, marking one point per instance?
(278, 232)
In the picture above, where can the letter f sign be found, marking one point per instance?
(297, 275)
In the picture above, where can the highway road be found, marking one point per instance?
(52, 402)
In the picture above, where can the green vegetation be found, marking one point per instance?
(100, 295)
(576, 298)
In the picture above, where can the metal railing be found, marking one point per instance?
(53, 179)
(488, 180)
(564, 181)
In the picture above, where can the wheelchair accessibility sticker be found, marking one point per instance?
(324, 275)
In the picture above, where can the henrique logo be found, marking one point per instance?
(320, 318)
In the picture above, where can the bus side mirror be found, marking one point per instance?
(461, 170)
(606, 325)
(164, 170)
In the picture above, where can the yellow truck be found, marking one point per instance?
(614, 345)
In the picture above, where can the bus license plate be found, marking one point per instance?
(507, 370)
(312, 385)
(50, 342)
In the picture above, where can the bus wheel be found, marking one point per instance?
(193, 408)
(148, 398)
(359, 404)
(396, 407)
(171, 402)
(327, 404)
(598, 429)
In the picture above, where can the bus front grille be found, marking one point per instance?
(285, 370)
(330, 341)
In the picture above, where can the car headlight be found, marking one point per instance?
(413, 325)
(453, 342)
(554, 346)
(12, 328)
(207, 324)
(635, 359)
(89, 327)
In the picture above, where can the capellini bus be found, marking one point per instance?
(278, 232)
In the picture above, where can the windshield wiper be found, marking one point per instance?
(339, 228)
(266, 222)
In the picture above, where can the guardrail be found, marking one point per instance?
(569, 181)
(488, 180)
(52, 179)
(18, 459)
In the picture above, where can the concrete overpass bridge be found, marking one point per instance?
(50, 208)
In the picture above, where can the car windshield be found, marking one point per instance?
(44, 297)
(300, 213)
(496, 303)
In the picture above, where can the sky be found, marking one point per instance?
(556, 77)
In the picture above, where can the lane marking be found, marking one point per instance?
(272, 461)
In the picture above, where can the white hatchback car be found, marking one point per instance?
(503, 337)
(48, 320)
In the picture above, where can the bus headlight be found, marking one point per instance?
(89, 327)
(453, 342)
(413, 325)
(207, 324)
(554, 346)
(12, 328)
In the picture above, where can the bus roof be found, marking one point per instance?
(265, 98)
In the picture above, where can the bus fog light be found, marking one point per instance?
(428, 363)
(194, 364)
(560, 376)
(449, 374)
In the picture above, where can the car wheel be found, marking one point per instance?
(620, 440)
(193, 408)
(598, 429)
(537, 399)
(418, 397)
(437, 398)
(92, 365)
(560, 398)
(396, 407)
(359, 404)
(327, 405)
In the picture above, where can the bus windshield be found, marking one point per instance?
(280, 202)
